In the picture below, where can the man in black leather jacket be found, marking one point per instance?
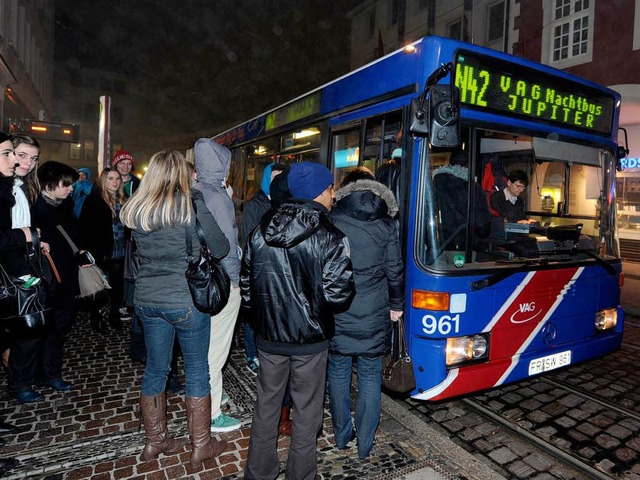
(296, 271)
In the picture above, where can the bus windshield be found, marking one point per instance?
(511, 197)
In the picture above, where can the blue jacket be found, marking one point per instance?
(81, 190)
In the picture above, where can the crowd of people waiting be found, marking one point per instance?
(316, 279)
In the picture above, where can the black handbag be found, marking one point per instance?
(23, 299)
(397, 367)
(131, 260)
(208, 281)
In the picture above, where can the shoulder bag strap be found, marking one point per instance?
(66, 236)
(198, 228)
(36, 263)
(402, 340)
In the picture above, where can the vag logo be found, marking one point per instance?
(525, 313)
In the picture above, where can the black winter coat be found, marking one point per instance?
(363, 214)
(252, 212)
(506, 209)
(296, 270)
(451, 183)
(47, 217)
(96, 226)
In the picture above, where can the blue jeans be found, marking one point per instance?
(160, 325)
(369, 371)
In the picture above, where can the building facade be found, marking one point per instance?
(26, 60)
(379, 27)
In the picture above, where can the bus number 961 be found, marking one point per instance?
(445, 325)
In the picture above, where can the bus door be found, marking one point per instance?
(369, 142)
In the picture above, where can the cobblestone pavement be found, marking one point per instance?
(588, 414)
(94, 431)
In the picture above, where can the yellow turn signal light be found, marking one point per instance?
(430, 300)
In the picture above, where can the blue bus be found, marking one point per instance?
(445, 125)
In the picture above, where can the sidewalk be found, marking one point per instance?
(93, 431)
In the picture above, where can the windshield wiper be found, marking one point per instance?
(498, 277)
(525, 264)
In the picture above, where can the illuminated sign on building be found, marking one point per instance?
(630, 164)
(503, 87)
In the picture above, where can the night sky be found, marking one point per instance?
(208, 64)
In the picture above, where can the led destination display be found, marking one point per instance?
(491, 84)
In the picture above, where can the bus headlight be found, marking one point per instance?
(606, 319)
(466, 349)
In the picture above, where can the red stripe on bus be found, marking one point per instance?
(513, 328)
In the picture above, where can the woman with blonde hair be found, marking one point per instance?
(161, 214)
(102, 233)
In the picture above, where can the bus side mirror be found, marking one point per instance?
(419, 126)
(444, 109)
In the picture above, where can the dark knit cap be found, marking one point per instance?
(307, 180)
(279, 190)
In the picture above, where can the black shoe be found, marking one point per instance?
(97, 323)
(61, 385)
(29, 395)
(7, 428)
(114, 321)
(7, 464)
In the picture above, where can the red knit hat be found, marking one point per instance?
(121, 155)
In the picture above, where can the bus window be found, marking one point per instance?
(372, 153)
(458, 201)
(379, 147)
(346, 153)
(236, 173)
(300, 146)
(258, 157)
(563, 190)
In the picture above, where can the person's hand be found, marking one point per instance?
(45, 247)
(82, 259)
(396, 315)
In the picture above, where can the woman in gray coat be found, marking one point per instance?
(161, 215)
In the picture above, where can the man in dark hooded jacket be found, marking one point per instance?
(296, 271)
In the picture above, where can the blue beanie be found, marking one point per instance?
(307, 180)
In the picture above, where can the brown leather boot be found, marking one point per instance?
(154, 416)
(285, 425)
(203, 446)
